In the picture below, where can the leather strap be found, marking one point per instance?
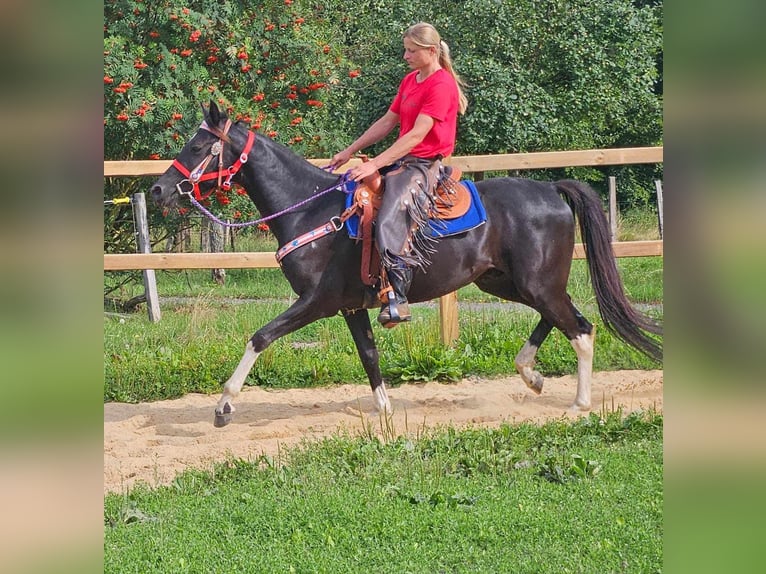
(368, 274)
(197, 175)
(326, 229)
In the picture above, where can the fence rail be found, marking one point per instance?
(476, 164)
(266, 260)
(467, 163)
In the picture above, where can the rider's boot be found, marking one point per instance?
(397, 309)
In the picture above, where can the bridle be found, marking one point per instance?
(197, 175)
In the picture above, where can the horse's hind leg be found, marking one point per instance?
(562, 314)
(358, 323)
(525, 359)
(583, 345)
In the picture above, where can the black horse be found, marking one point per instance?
(523, 253)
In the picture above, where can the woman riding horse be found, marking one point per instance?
(425, 108)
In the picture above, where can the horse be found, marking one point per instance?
(523, 253)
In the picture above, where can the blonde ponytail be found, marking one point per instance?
(445, 61)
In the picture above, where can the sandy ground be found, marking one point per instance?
(152, 442)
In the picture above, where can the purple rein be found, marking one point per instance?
(345, 185)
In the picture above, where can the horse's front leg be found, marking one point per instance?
(358, 323)
(300, 314)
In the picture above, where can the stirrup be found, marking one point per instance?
(393, 312)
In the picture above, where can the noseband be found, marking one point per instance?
(197, 175)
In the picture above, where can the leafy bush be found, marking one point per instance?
(541, 75)
(275, 66)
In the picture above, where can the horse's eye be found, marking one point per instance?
(196, 148)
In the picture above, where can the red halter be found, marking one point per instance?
(197, 175)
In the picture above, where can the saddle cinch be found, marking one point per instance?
(455, 208)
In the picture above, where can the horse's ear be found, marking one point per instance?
(215, 115)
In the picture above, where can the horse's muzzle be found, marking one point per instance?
(163, 197)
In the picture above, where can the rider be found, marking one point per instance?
(425, 109)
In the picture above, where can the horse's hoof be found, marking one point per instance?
(221, 420)
(224, 417)
(536, 383)
(575, 408)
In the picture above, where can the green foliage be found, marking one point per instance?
(448, 500)
(273, 65)
(541, 75)
(552, 471)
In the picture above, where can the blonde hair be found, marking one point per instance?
(425, 35)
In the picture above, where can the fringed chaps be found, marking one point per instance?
(403, 218)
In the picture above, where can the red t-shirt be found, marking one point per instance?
(436, 96)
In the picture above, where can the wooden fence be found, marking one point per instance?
(468, 163)
(476, 165)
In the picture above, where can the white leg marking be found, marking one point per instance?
(237, 379)
(525, 363)
(381, 399)
(583, 346)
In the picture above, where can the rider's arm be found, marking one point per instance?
(406, 143)
(376, 132)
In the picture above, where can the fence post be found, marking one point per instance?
(145, 246)
(658, 187)
(448, 319)
(613, 206)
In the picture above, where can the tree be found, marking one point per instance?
(273, 65)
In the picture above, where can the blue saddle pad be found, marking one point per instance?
(475, 216)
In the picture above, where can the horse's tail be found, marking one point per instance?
(619, 316)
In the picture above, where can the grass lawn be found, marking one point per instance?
(582, 496)
(198, 342)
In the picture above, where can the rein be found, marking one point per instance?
(342, 185)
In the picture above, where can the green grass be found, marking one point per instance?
(198, 342)
(194, 349)
(563, 497)
(203, 332)
(638, 225)
(642, 277)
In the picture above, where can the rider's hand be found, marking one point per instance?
(363, 170)
(340, 158)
